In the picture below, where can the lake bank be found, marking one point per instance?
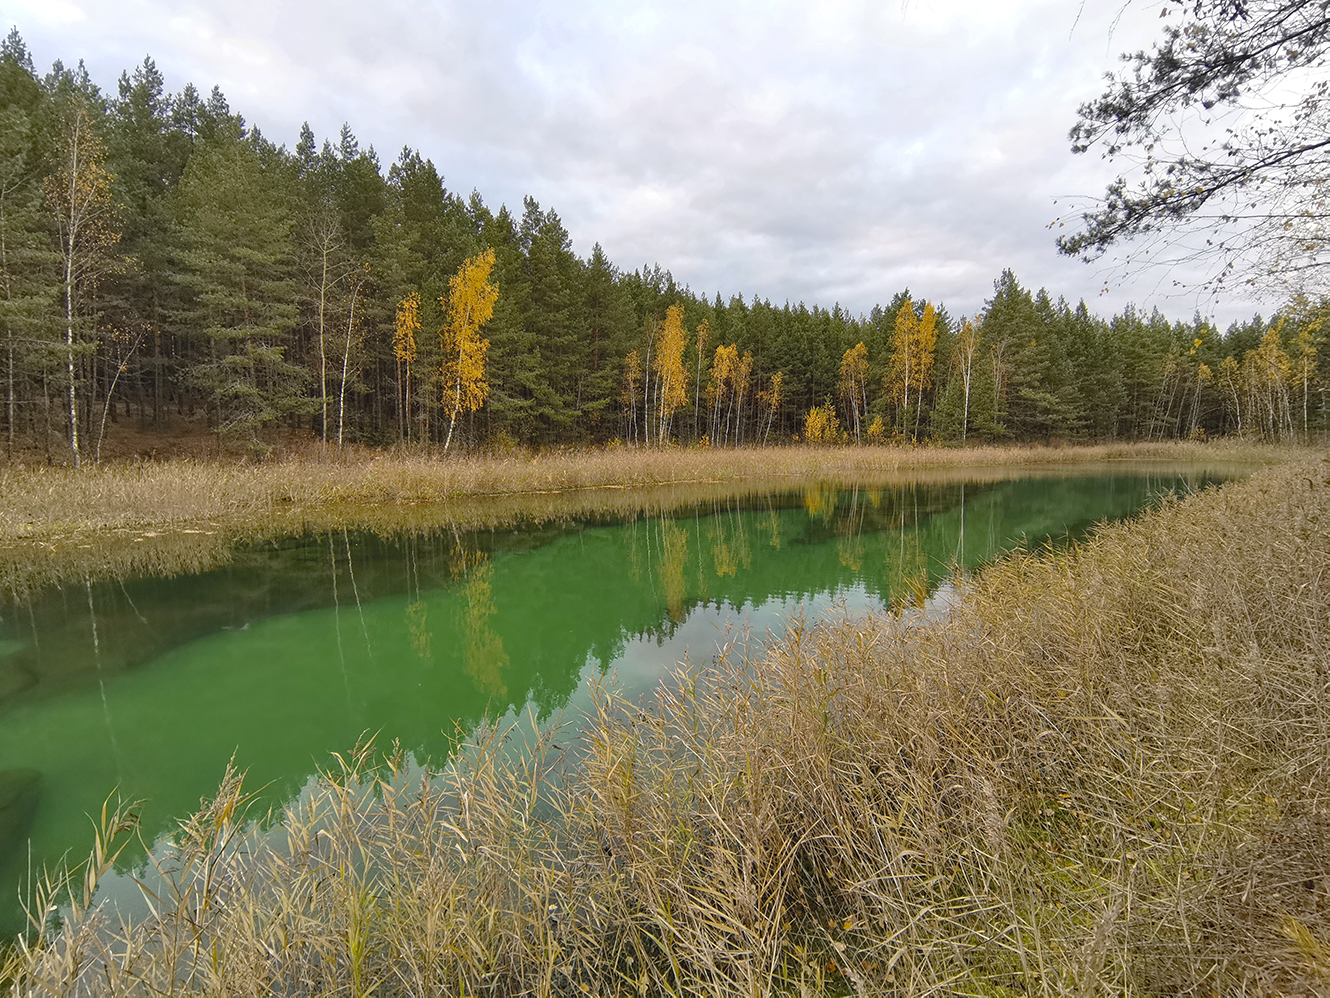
(1105, 771)
(178, 516)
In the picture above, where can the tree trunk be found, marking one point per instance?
(69, 352)
(346, 357)
(646, 396)
(10, 449)
(323, 361)
(965, 417)
(401, 424)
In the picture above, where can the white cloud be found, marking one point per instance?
(813, 151)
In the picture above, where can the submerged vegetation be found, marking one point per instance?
(1104, 771)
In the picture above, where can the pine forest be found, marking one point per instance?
(164, 263)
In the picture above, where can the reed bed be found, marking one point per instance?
(55, 502)
(185, 516)
(1106, 771)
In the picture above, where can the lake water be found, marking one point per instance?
(292, 650)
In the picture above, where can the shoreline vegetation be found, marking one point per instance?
(184, 515)
(1105, 771)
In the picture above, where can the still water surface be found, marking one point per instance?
(293, 650)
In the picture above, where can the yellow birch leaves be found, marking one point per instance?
(406, 327)
(853, 383)
(821, 425)
(671, 377)
(469, 305)
(912, 345)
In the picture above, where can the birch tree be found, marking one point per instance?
(671, 377)
(632, 371)
(913, 342)
(406, 328)
(78, 194)
(352, 338)
(703, 334)
(771, 400)
(469, 305)
(719, 380)
(967, 348)
(325, 269)
(853, 384)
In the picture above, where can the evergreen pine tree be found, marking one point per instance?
(234, 219)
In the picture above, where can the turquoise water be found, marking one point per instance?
(294, 650)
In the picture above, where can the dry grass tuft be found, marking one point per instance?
(1107, 772)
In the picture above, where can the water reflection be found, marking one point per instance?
(296, 647)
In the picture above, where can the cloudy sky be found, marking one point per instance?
(820, 150)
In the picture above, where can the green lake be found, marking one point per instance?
(293, 649)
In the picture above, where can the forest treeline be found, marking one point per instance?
(163, 261)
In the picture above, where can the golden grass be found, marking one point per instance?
(40, 500)
(184, 515)
(1106, 772)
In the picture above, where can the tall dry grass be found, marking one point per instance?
(44, 501)
(1106, 772)
(178, 516)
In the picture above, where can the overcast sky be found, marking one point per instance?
(814, 151)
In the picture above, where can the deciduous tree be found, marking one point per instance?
(771, 400)
(703, 334)
(1227, 123)
(82, 209)
(967, 348)
(469, 305)
(853, 384)
(406, 329)
(671, 377)
(912, 346)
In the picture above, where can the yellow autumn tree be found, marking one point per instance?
(743, 374)
(671, 377)
(1266, 373)
(719, 382)
(406, 328)
(703, 334)
(904, 357)
(913, 343)
(853, 383)
(821, 425)
(469, 305)
(1309, 319)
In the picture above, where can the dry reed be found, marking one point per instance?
(1107, 771)
(41, 501)
(175, 516)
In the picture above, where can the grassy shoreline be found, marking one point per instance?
(1108, 771)
(40, 501)
(183, 516)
